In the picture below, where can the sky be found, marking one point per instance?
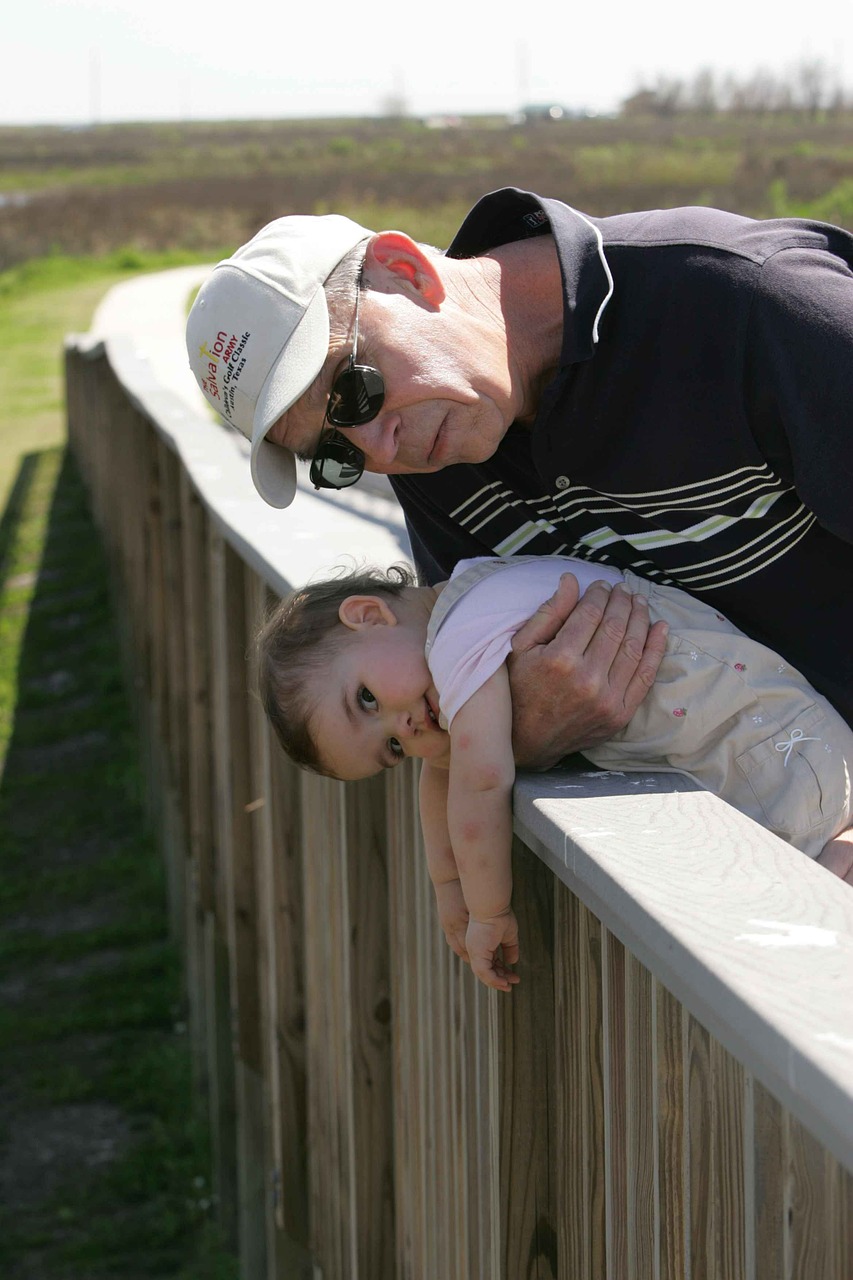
(97, 61)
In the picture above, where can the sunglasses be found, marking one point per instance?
(357, 396)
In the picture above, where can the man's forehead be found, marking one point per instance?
(299, 428)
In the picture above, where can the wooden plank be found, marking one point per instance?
(527, 1158)
(844, 1223)
(236, 899)
(198, 799)
(640, 1121)
(326, 952)
(275, 817)
(196, 628)
(174, 592)
(811, 1200)
(701, 1151)
(370, 1020)
(615, 1100)
(671, 1165)
(753, 938)
(287, 928)
(424, 981)
(579, 1089)
(175, 780)
(728, 1084)
(401, 871)
(771, 1195)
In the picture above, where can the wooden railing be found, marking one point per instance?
(668, 1093)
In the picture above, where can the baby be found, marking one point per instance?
(358, 672)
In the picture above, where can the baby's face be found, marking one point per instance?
(377, 704)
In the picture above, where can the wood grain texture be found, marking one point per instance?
(579, 1089)
(236, 896)
(811, 1205)
(671, 1086)
(615, 1106)
(640, 1121)
(369, 998)
(728, 1189)
(528, 1184)
(761, 956)
(327, 1033)
(701, 1155)
(273, 812)
(771, 1192)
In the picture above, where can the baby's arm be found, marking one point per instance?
(479, 816)
(441, 864)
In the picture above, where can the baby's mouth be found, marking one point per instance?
(431, 714)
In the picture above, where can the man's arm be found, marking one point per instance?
(798, 375)
(479, 816)
(579, 670)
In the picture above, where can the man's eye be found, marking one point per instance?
(366, 700)
(395, 749)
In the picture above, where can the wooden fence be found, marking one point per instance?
(668, 1093)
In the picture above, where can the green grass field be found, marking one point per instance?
(104, 1163)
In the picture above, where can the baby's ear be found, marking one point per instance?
(359, 612)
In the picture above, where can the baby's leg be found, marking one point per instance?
(837, 856)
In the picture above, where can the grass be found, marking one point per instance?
(104, 1161)
(40, 302)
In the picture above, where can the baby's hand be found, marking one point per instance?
(453, 916)
(493, 946)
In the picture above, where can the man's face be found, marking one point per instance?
(444, 403)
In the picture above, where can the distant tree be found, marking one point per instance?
(810, 87)
(702, 94)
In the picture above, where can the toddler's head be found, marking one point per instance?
(338, 661)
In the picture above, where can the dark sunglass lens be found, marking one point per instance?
(337, 465)
(357, 396)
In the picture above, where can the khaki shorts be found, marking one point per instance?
(736, 717)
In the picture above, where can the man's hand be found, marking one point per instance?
(579, 670)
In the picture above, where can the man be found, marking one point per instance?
(668, 391)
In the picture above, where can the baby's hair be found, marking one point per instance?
(300, 635)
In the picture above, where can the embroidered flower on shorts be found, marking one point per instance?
(740, 666)
(680, 712)
(758, 719)
(780, 668)
(694, 656)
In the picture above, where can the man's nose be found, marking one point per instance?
(377, 439)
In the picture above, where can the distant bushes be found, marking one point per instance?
(199, 187)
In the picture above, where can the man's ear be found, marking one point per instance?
(360, 612)
(395, 263)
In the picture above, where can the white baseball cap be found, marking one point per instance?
(258, 333)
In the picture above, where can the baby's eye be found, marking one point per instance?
(366, 700)
(396, 750)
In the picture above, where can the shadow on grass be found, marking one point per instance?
(104, 1170)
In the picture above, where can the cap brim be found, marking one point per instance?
(273, 472)
(273, 466)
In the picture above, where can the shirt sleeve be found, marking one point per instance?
(799, 379)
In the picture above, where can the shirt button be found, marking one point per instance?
(563, 482)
